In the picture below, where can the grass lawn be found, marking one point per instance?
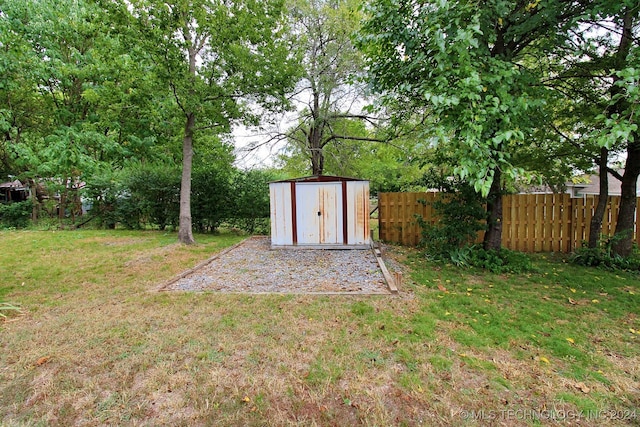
(96, 345)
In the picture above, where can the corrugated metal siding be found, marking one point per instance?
(281, 221)
(358, 212)
(322, 215)
(319, 213)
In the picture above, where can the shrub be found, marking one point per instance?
(149, 195)
(252, 203)
(212, 197)
(460, 216)
(16, 214)
(155, 190)
(602, 256)
(502, 261)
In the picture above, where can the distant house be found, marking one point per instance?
(590, 185)
(13, 191)
(583, 185)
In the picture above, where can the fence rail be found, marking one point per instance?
(531, 222)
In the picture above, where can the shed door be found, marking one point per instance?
(319, 213)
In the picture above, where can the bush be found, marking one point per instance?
(149, 195)
(212, 197)
(252, 203)
(461, 214)
(105, 192)
(140, 196)
(502, 261)
(16, 214)
(602, 256)
(155, 191)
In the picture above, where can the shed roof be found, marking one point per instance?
(321, 178)
(13, 185)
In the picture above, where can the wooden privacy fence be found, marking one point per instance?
(531, 222)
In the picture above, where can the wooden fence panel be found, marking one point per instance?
(531, 222)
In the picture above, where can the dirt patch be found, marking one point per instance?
(255, 268)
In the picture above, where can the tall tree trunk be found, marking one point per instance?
(626, 215)
(315, 146)
(185, 233)
(316, 131)
(493, 235)
(595, 228)
(623, 244)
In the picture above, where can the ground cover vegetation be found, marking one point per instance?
(91, 342)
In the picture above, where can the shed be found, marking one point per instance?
(320, 212)
(13, 191)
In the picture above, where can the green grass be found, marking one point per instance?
(94, 343)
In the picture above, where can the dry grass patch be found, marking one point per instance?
(98, 346)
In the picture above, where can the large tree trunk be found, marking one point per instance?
(595, 228)
(623, 243)
(315, 146)
(626, 215)
(185, 234)
(493, 235)
(315, 137)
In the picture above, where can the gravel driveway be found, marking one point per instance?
(254, 267)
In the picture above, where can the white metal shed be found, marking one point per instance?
(320, 212)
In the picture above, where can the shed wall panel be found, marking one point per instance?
(319, 213)
(358, 212)
(281, 213)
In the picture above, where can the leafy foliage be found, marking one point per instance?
(500, 261)
(603, 256)
(252, 202)
(461, 213)
(148, 196)
(16, 214)
(467, 64)
(451, 239)
(213, 198)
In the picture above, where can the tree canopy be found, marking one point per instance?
(479, 69)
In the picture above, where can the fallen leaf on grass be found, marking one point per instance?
(570, 340)
(42, 360)
(442, 288)
(572, 301)
(583, 388)
(544, 359)
(246, 399)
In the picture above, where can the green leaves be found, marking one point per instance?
(471, 64)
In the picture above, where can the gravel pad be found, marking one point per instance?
(254, 267)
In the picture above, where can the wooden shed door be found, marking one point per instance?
(319, 213)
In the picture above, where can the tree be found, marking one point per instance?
(622, 121)
(473, 66)
(389, 166)
(220, 60)
(76, 100)
(328, 89)
(595, 73)
(60, 57)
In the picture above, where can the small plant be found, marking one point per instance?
(502, 261)
(602, 256)
(6, 309)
